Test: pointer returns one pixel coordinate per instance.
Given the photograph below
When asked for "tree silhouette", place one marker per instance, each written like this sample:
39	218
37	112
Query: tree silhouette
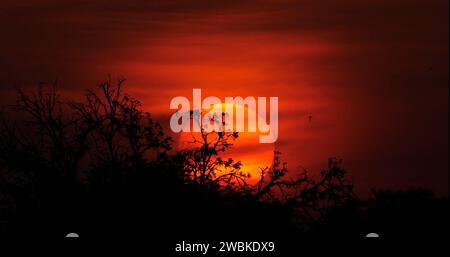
104	166
123	137
205	166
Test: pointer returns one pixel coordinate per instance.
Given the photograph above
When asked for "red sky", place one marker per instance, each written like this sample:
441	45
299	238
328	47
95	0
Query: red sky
373	74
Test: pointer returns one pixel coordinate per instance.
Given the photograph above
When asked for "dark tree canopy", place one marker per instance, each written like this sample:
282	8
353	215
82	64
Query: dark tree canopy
103	164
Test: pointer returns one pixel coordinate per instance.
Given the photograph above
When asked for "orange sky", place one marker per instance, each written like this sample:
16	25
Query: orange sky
373	74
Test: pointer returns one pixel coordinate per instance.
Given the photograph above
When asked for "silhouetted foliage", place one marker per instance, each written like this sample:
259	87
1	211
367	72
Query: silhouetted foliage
103	166
205	166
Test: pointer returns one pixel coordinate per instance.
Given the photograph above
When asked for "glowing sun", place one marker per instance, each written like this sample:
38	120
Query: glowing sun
246	148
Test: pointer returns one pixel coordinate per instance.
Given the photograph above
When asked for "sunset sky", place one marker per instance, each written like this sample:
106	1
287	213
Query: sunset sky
373	74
